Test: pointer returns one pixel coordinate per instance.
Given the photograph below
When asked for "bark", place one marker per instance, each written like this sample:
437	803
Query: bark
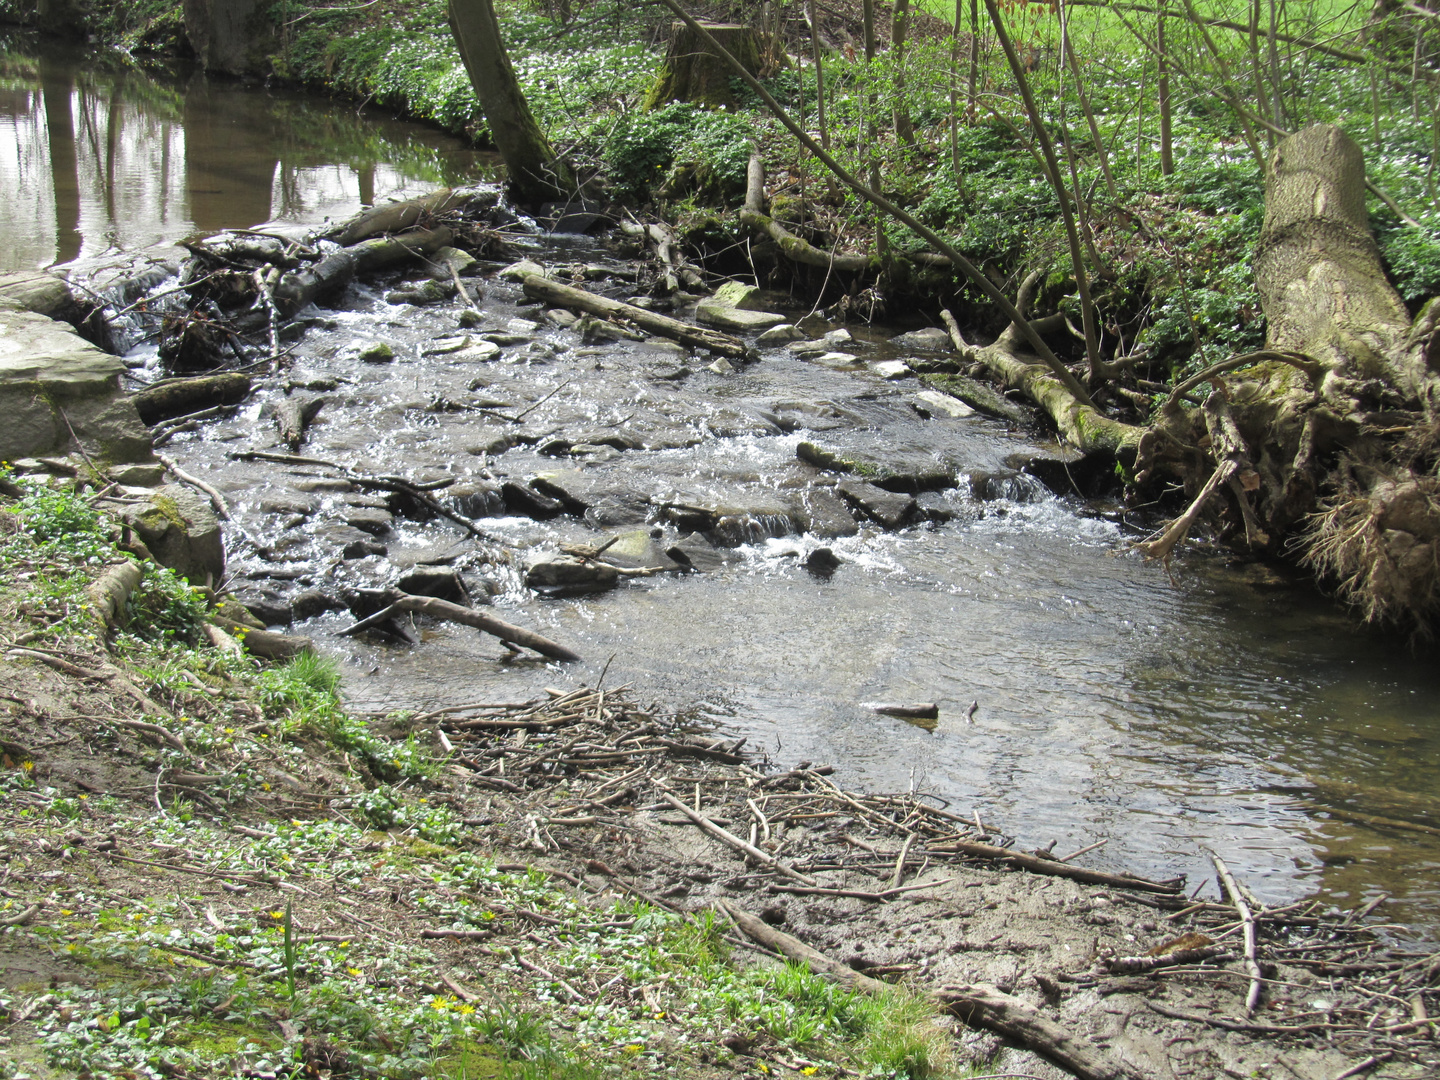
1328	442
694	71
537	174
566	296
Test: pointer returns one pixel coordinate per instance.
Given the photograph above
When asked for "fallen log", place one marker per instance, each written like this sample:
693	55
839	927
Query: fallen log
567	296
293	415
1056	868
396	217
179	397
979	1005
443	609
337	269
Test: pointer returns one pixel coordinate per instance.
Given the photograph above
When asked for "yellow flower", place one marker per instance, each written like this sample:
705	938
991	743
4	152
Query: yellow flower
344	944
229	731
466	1010
353	971
438	1004
66	911
809	1070
277	914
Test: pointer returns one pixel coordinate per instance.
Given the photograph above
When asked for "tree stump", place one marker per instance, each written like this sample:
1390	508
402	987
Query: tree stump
693	72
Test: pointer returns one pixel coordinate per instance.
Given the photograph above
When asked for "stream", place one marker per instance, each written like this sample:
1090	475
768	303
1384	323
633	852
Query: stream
1227	709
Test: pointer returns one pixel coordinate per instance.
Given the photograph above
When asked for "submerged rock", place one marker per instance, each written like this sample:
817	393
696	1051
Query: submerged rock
900	472
565	575
828	515
735	319
932	403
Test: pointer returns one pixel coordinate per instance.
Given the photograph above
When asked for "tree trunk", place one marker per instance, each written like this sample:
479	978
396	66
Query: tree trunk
899	29
1341	414
537	174
693	71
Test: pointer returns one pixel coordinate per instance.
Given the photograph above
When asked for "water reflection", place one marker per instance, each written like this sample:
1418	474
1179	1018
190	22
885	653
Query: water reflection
110	156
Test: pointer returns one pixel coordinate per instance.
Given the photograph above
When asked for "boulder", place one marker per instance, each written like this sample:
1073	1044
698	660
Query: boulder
519	271
181	530
978	396
44	294
931	339
52	381
636	549
780	335
890	369
737	295
696	554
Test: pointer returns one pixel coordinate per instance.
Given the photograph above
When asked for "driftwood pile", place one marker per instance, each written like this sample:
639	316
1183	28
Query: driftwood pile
592	758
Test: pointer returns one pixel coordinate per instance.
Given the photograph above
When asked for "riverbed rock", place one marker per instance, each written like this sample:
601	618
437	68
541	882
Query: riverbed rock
891	369
442	582
697	554
181	530
896	470
372	520
423	294
53	381
814	324
146	476
808	348
735	319
890	509
780	335
561	317
564	575
835	339
519	271
930	339
580	490
39	292
445	260
638	549
615	511
978	396
377	353
475	498
827	515
932	403
837	361
308	603
522	498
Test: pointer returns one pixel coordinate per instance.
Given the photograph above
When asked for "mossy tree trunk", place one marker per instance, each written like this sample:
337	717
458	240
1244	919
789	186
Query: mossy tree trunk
537	173
1335	439
695	72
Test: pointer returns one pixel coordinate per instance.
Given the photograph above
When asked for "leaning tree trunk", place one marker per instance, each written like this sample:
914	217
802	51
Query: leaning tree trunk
1331	435
537	173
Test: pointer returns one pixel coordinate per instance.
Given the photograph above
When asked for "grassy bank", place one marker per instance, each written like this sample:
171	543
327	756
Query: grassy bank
214	869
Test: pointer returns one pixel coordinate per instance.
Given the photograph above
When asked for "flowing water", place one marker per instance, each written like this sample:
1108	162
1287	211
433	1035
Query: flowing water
1224	710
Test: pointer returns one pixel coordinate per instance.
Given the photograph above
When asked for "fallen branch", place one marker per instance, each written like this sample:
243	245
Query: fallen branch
763	857
1257	977
443	609
567	296
1056	868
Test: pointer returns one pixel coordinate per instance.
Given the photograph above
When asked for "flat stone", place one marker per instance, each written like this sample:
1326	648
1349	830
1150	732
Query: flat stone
38	292
561	317
288	505
322	484
808	348
828	515
890	369
442	345
721	366
138	475
481	352
579	491
522	326
896	471
838	361
696	553
933	403
519	271
728	318
475	498
524	499
835	338
780	335
890	509
442	582
978	396
636	549
930	339
614	511
373	521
